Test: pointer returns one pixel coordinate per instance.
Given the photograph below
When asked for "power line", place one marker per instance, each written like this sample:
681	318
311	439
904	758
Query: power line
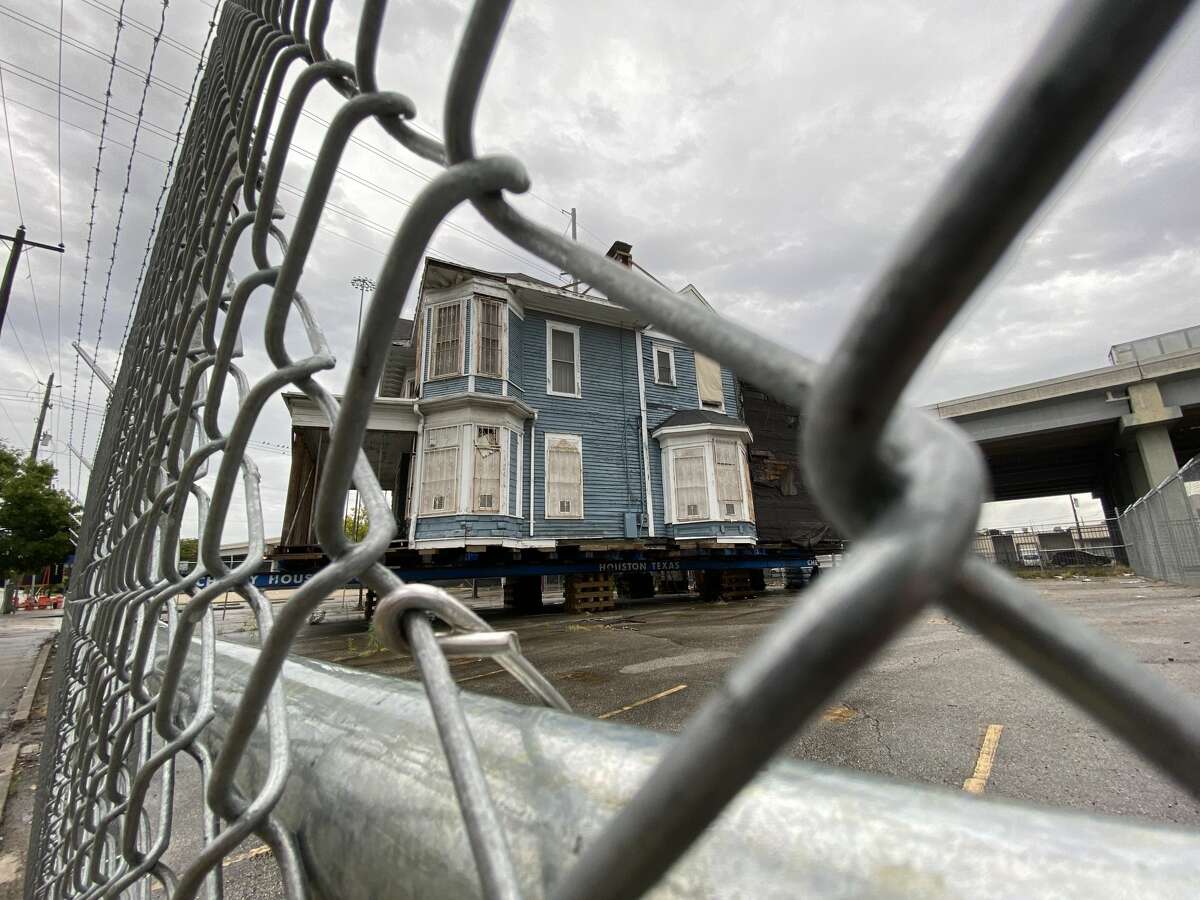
58	308
162	191
112	260
12	158
12	161
11	421
87	256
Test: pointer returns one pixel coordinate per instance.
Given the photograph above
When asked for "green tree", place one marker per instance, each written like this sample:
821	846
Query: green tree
355	525
188	549
35	520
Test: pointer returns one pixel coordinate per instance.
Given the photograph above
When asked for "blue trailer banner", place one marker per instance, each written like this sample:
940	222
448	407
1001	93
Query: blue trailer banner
273	580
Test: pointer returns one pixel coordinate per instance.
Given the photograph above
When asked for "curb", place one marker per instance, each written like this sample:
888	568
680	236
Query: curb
25	704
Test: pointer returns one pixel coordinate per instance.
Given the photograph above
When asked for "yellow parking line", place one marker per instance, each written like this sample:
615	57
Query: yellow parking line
983	765
668	692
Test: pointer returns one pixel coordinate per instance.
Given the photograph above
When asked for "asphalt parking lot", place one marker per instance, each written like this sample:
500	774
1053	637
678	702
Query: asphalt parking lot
922	712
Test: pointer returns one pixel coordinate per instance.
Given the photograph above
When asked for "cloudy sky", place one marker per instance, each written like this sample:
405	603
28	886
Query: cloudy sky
770	152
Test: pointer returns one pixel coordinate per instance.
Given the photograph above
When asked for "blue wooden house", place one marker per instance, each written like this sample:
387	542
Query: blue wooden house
548	415
516	413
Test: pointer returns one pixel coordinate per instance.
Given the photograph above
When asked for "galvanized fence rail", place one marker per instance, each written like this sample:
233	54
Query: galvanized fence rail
142	685
1163	529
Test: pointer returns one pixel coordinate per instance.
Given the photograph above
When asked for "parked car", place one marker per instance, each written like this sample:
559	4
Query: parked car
1078	558
801	576
1031	558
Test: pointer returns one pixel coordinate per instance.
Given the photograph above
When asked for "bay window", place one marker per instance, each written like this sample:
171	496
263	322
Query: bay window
439	474
728	465
446	340
490	346
487	469
691	484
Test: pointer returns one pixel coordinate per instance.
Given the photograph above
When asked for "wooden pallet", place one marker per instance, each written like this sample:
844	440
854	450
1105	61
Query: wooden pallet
590	592
727	585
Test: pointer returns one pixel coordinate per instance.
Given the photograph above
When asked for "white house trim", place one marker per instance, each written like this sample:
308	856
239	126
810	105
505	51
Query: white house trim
477	339
552	326
659	347
431	330
645	428
578	440
702	428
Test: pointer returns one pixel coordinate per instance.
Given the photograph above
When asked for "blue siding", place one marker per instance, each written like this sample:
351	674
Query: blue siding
443	386
486	385
607	419
662	400
468	308
516	354
712	529
729	389
512	473
469	526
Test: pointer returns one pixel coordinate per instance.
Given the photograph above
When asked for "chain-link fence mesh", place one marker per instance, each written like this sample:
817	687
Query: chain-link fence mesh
1163	529
143	687
1053	545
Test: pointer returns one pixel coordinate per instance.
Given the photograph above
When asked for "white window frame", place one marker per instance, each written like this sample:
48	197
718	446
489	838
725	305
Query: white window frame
671	444
431	320
501	499
477	337
655	349
452	506
552	327
705	448
547	438
737	471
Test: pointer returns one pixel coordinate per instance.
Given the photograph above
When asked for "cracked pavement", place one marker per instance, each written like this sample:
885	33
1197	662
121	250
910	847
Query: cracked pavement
917	713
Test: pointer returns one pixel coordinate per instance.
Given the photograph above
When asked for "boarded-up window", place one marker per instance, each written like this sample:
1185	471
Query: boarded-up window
691	484
729	479
746	475
708	381
447	340
439	480
664	365
563	360
488	457
491	334
564	476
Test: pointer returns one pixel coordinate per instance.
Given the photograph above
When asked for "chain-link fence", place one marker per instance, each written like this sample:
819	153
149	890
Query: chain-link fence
1053	545
363	787
1163	529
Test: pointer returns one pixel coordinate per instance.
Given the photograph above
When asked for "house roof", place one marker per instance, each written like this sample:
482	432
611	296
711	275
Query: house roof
404	330
701	417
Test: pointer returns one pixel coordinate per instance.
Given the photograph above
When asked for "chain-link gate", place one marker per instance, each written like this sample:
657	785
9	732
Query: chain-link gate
1163	529
142	686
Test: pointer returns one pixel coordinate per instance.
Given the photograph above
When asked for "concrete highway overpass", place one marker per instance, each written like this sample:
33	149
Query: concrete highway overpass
1114	432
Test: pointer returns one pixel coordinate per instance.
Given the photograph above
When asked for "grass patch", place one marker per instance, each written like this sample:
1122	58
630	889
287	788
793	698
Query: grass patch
1034	572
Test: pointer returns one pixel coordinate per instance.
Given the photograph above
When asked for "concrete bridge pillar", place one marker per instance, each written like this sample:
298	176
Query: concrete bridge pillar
1147	428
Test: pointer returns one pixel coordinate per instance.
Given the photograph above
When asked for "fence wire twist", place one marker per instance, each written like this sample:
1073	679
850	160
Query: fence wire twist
138	675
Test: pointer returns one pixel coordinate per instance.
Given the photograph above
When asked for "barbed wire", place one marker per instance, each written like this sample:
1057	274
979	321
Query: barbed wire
120	218
87	252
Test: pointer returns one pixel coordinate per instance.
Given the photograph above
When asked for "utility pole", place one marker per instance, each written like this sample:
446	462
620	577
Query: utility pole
574	237
93	365
14	256
37	434
1075	513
